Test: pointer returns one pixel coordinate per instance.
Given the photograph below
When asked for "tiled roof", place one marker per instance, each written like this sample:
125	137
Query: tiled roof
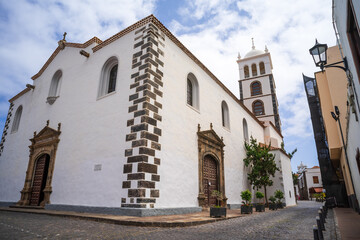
57	50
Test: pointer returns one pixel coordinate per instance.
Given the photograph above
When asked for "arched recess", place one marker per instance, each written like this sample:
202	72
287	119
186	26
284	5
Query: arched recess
54	87
192	91
17	118
256	88
245	130
262	68
225	115
258	108
253	70
108	77
211	150
43	144
246	71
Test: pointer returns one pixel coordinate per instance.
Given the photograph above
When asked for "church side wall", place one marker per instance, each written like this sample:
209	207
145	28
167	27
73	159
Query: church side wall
179	169
12	164
93	130
283	179
287	179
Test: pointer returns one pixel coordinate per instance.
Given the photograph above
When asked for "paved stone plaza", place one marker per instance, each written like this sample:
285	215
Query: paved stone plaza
290	223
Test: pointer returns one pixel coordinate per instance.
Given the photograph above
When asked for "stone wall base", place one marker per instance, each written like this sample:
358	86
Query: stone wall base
7	204
124	211
234	206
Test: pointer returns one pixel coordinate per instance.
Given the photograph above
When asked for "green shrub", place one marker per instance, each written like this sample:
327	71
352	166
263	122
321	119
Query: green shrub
279	195
272	199
246	196
218	195
259	195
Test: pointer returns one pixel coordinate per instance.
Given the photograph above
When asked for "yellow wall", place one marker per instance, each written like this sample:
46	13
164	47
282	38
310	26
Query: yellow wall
332	88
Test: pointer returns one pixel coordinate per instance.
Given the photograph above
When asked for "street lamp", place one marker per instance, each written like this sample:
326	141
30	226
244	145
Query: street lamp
319	54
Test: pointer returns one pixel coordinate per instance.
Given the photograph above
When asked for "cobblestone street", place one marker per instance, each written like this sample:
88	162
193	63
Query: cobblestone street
290	223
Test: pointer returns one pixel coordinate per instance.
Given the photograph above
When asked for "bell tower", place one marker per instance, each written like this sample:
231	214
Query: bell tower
257	85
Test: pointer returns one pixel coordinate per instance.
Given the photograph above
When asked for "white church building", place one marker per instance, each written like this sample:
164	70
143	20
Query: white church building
137	125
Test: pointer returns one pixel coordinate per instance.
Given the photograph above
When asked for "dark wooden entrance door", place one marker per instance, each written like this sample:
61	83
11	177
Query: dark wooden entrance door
39	180
210	173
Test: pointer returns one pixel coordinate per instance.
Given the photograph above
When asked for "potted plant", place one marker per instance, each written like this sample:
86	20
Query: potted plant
246	207
260	207
279	195
322	197
272	204
217	210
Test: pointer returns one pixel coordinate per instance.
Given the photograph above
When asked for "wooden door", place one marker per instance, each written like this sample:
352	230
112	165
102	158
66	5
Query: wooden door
210	173
39	180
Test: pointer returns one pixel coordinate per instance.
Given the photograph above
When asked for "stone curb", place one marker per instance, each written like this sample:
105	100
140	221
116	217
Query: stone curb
110	219
337	230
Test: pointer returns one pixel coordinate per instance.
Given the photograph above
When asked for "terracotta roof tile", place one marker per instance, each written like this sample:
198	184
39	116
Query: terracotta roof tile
57	50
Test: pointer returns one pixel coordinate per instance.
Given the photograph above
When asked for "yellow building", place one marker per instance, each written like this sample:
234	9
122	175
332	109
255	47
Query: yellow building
332	91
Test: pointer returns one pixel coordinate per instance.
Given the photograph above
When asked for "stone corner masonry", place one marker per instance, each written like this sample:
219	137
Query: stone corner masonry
144	133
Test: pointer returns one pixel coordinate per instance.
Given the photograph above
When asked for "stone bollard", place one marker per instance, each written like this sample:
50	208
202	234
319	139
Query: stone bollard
324	209
320	233
316	232
321	221
322	218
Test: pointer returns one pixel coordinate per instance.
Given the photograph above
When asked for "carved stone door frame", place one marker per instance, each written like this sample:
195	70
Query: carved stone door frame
209	143
45	142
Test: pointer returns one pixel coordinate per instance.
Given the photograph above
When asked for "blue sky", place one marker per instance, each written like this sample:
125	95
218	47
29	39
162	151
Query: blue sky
213	30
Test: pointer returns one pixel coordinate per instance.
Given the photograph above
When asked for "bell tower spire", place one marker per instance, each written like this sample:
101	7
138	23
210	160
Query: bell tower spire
257	85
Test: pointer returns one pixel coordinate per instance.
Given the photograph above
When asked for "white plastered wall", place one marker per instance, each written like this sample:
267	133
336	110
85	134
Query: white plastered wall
179	171
353	137
283	179
93	130
265	86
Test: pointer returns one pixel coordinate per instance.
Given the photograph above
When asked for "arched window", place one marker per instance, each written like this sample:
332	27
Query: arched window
262	68
255	88
192	91
54	87
189	93
246	71
253	70
258	108
17	117
245	130
108	77
225	115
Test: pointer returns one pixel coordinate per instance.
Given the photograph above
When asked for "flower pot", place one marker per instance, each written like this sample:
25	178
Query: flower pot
279	205
272	206
260	207
217	212
246	209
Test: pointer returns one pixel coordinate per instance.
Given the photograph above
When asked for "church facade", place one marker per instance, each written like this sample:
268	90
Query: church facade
134	125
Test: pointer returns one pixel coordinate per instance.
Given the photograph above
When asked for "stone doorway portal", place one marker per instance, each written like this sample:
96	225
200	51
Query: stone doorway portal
211	167
38	180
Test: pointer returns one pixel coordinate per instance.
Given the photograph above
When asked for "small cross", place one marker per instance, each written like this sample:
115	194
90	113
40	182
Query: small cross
64	35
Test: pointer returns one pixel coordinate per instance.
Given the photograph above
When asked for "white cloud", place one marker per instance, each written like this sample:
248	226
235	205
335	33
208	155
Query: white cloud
214	30
288	28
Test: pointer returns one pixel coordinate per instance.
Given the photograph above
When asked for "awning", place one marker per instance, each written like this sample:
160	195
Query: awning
316	190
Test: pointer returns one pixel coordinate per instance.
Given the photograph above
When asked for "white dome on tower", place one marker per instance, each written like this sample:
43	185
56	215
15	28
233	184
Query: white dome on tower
254	52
